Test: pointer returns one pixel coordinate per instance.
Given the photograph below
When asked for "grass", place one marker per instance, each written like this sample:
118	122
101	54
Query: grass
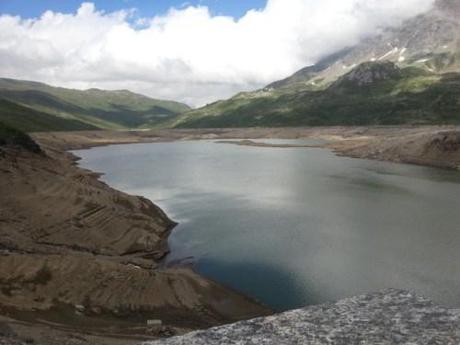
30	120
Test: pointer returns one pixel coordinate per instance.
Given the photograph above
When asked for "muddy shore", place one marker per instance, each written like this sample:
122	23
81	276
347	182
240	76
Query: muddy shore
79	260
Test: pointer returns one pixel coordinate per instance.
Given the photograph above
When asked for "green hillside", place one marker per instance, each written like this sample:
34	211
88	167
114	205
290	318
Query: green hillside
30	120
95	108
420	64
371	94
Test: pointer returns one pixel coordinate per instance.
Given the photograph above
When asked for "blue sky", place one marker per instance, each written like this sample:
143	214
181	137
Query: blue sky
147	8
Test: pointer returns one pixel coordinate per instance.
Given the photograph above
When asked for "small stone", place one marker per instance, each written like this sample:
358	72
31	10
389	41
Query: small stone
154	323
96	310
166	332
80	308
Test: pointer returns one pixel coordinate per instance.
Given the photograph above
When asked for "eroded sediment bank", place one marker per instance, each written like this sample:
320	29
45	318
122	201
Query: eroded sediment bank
78	257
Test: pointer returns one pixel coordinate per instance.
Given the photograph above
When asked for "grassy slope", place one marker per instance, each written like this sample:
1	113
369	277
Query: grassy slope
103	109
416	98
29	120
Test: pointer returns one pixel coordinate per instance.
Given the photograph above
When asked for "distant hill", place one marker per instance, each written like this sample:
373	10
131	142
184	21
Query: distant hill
421	59
56	108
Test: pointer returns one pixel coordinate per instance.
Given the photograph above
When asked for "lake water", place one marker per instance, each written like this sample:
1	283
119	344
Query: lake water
297	226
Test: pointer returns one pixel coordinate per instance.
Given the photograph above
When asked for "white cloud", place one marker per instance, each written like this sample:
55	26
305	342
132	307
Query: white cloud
188	54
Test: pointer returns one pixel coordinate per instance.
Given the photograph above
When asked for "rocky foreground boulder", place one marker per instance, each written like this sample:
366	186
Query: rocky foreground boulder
388	317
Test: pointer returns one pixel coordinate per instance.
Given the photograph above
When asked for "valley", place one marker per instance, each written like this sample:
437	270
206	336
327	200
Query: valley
127	218
70	240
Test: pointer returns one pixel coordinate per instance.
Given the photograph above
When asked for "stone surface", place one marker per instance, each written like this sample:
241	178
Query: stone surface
369	73
388	317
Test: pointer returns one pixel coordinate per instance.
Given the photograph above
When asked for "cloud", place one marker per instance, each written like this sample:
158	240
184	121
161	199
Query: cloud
188	54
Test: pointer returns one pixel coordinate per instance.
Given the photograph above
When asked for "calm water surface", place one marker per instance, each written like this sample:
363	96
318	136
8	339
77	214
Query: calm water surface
298	226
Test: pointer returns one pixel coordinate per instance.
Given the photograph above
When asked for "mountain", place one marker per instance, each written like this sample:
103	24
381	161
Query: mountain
34	106
430	41
374	93
421	58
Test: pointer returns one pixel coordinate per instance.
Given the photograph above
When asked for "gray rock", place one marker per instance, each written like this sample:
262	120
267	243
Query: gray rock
388	317
369	73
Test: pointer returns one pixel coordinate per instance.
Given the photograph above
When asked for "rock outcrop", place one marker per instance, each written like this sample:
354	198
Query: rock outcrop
449	7
369	73
389	317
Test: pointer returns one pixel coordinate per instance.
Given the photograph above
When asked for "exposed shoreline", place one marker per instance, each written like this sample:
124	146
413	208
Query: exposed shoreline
436	146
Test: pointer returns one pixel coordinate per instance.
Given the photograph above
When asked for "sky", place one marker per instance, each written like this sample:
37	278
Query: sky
150	8
194	51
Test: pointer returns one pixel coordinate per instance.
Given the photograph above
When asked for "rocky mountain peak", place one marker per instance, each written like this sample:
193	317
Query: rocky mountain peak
451	7
370	73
